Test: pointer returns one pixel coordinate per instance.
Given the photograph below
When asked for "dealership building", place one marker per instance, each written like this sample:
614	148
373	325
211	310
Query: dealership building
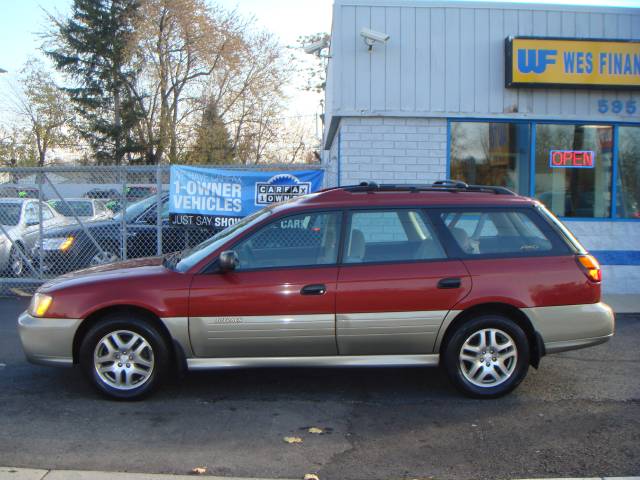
542	99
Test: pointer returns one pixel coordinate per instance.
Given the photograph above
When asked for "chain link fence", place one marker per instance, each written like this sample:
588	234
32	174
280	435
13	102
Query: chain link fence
55	220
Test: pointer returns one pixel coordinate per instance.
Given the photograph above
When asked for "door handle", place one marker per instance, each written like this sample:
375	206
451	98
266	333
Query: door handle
318	289
449	283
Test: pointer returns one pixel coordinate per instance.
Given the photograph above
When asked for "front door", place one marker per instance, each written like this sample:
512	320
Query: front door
280	301
396	284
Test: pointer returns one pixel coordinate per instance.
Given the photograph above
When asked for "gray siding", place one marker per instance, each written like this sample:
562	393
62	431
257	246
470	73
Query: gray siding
447	59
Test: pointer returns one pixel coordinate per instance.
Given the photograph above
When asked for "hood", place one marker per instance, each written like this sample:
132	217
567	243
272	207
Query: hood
141	267
71	226
10	229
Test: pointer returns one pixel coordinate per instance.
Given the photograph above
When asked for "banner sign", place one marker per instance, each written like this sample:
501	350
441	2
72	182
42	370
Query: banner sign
217	198
572	159
572	63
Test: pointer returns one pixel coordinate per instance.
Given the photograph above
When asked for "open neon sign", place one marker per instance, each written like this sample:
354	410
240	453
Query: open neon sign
572	159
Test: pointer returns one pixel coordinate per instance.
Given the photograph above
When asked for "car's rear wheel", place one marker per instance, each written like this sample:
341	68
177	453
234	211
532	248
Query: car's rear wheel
124	358
487	357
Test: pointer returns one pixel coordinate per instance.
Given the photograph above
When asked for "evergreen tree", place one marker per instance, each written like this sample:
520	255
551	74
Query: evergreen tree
93	47
213	145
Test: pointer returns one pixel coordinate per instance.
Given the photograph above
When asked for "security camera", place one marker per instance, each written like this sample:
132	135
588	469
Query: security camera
371	37
316	48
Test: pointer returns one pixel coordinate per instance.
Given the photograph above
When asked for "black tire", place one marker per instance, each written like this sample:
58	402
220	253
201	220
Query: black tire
14	256
160	355
464	380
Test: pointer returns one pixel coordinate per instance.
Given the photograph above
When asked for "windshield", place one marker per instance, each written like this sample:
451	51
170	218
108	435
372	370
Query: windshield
10	213
134	210
81	208
186	259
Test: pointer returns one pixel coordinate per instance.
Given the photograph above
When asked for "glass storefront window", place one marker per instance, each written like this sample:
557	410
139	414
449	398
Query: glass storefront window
628	186
573	169
495	153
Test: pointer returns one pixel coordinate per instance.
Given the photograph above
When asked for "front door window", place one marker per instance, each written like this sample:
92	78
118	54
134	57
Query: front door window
308	239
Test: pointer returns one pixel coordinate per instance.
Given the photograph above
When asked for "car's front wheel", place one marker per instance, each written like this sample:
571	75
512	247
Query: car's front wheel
16	261
487	357
103	258
124	358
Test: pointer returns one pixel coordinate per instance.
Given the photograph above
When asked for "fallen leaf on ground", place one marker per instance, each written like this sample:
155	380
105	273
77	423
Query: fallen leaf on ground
292	439
199	470
316	430
311	476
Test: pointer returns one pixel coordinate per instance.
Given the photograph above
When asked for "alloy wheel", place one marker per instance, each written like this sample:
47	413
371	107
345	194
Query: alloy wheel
103	258
17	263
124	360
488	357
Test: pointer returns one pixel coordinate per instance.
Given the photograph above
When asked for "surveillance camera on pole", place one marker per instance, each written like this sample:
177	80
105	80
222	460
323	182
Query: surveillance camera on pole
371	37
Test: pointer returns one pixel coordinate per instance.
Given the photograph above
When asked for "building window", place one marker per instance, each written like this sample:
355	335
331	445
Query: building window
495	153
628	186
573	169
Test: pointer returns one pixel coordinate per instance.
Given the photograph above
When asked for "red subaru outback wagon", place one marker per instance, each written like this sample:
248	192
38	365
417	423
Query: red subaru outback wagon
476	279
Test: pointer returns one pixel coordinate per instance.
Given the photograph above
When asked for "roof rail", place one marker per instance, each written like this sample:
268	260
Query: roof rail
439	186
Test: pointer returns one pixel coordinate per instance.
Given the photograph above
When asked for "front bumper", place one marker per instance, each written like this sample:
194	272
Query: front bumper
570	327
48	341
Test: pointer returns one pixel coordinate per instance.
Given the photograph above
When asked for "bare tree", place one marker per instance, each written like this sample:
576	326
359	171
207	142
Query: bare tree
44	109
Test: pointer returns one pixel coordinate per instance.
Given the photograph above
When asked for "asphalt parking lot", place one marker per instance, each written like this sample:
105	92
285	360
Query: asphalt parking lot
578	416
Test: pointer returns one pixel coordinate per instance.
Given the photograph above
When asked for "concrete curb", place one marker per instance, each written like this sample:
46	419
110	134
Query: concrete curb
10	473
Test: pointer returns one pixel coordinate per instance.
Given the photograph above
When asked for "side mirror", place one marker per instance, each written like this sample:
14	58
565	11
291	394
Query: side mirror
228	261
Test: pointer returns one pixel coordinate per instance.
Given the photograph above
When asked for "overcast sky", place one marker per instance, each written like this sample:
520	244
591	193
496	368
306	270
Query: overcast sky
21	20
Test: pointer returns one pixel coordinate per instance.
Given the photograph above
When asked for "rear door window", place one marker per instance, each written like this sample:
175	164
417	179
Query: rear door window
390	236
498	232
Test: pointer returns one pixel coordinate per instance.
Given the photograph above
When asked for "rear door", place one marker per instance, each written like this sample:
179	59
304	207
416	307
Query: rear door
396	283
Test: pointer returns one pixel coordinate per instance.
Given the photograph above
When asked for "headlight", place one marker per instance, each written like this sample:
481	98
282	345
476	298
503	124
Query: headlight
63	243
40	303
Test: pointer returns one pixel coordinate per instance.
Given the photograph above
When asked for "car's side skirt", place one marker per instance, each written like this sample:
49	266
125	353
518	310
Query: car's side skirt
320	361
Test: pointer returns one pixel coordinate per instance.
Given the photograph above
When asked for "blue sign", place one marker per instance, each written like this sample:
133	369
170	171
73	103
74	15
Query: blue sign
218	198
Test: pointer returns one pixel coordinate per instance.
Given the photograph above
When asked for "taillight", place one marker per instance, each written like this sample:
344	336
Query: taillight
590	267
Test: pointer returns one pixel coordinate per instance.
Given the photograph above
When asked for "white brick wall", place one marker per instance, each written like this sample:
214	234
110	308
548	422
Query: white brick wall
388	150
611	236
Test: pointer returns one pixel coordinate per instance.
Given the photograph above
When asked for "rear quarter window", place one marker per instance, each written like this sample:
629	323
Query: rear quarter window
501	232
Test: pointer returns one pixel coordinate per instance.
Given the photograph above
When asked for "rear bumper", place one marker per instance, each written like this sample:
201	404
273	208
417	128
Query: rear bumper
48	341
570	327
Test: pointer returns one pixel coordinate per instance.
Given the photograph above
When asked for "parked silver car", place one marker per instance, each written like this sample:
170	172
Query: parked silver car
82	208
20	219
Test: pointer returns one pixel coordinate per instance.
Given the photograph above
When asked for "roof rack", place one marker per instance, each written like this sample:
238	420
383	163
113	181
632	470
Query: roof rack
439	186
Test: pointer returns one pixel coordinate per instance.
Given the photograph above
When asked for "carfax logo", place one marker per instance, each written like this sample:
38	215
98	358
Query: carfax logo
280	188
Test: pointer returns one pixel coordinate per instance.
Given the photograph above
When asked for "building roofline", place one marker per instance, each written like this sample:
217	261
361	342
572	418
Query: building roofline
490	4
